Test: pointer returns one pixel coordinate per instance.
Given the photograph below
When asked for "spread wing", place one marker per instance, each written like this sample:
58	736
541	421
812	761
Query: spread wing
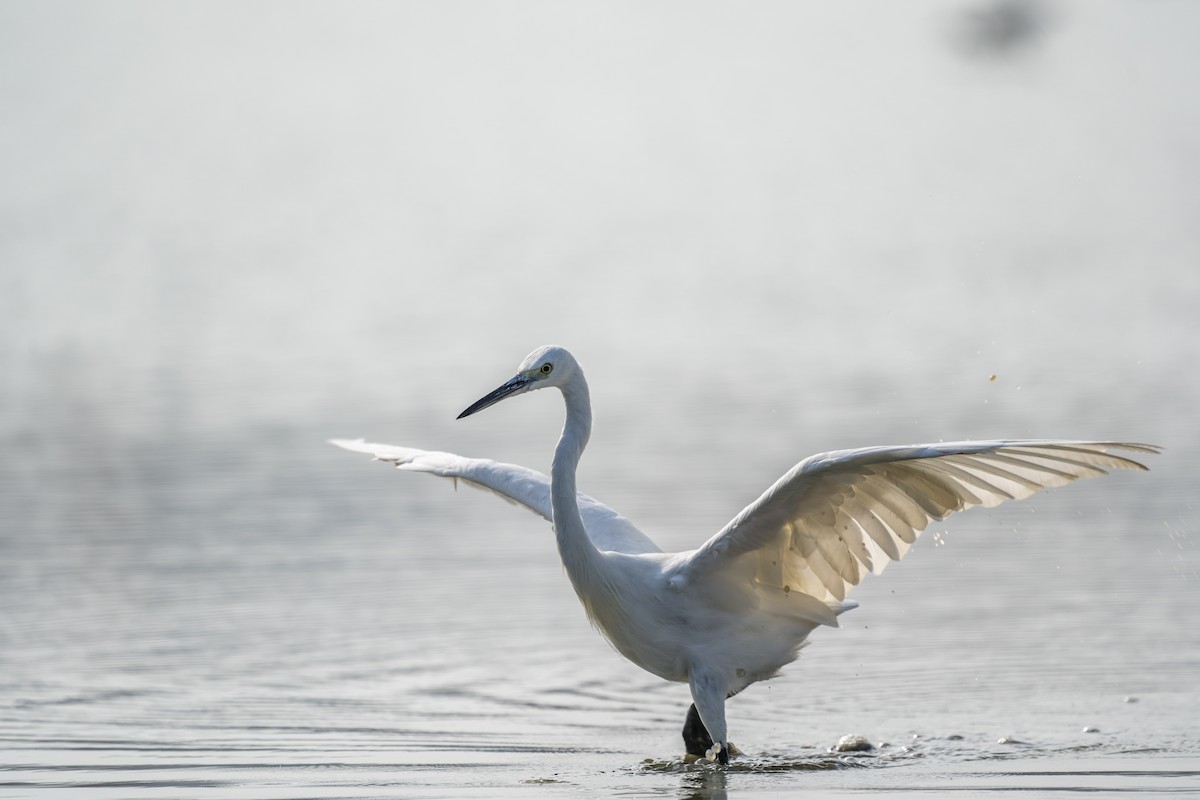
607	529
836	516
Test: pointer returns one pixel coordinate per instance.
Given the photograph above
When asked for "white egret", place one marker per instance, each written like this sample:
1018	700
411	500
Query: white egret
739	607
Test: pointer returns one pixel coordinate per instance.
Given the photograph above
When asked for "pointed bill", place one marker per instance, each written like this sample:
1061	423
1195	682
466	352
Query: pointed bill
515	386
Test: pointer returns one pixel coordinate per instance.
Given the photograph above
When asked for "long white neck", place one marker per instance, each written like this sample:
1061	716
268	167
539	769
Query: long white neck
579	555
591	571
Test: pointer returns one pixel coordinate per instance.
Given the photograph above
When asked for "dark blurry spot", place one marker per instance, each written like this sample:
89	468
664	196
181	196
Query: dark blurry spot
1000	28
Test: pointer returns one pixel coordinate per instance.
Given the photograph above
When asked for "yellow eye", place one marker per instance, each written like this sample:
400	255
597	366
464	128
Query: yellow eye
547	368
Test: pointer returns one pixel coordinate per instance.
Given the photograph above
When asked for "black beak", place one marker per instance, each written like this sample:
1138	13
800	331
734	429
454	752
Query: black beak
514	386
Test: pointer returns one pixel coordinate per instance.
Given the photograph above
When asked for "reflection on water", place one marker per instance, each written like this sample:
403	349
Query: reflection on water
344	226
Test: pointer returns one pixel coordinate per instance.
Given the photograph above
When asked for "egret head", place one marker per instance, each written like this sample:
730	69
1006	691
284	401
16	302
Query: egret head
547	366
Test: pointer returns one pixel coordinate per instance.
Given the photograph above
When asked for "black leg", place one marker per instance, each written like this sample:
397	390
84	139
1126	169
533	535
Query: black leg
695	736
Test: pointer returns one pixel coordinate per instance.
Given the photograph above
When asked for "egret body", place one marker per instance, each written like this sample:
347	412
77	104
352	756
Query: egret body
739	607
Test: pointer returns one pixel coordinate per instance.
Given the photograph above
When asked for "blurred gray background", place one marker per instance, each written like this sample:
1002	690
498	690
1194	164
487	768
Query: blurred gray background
229	231
219	216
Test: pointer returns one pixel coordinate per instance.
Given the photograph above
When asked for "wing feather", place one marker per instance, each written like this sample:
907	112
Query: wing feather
529	488
834	514
983	493
993	466
901	515
934	497
850	534
878	534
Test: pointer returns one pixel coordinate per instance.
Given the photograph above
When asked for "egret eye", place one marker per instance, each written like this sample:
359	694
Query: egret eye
547	368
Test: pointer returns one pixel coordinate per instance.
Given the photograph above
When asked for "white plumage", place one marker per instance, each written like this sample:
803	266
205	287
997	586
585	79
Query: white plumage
739	607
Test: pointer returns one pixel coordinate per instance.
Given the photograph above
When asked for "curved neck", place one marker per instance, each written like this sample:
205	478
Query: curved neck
588	568
579	555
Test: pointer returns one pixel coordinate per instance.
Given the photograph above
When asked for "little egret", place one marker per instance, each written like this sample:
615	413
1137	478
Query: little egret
738	608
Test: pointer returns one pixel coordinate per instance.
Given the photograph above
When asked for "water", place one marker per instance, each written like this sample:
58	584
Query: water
228	238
